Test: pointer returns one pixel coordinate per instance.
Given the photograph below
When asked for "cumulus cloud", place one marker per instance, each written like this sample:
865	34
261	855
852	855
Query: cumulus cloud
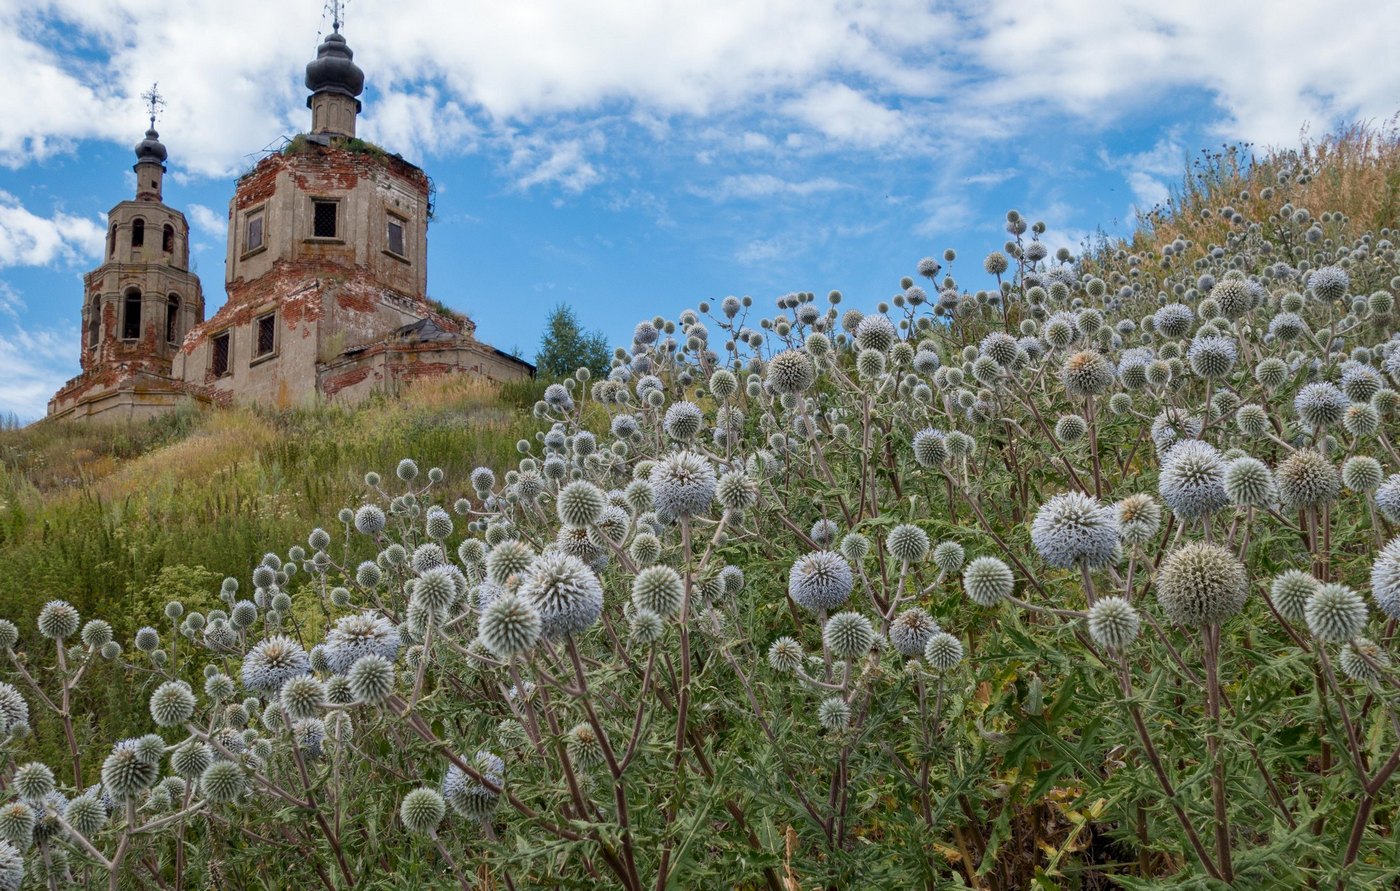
29	239
766	185
33	364
206	221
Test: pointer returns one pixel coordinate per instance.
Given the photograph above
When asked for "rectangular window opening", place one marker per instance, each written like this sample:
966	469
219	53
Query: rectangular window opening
323	219
220	357
266	340
254	236
131	318
396	237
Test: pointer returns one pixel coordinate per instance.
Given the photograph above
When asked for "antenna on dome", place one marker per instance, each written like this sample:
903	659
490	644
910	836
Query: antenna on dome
154	102
336	8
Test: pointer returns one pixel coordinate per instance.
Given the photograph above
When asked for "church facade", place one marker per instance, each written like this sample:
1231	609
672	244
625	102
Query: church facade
325	270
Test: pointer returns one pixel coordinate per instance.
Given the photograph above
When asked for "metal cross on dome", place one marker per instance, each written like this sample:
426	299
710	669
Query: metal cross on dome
154	102
336	8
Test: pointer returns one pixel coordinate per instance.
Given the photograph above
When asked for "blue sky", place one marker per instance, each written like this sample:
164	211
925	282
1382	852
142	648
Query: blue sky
633	158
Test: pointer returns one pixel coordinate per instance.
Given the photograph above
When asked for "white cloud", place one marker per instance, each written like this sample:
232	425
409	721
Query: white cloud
847	115
1150	174
27	239
33	364
539	161
207	221
766	185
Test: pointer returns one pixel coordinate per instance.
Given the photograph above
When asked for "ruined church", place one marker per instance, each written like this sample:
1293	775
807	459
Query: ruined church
325	269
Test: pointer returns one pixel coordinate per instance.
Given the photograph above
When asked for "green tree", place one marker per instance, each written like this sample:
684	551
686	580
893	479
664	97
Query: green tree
565	346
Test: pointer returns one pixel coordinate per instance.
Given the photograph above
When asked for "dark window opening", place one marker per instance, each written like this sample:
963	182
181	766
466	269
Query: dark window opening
94	322
266	336
167	240
254	238
172	318
396	237
323	218
138	233
220	359
112	242
131	318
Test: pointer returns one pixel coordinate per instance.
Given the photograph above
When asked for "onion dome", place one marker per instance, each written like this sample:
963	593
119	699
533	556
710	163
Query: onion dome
334	70
151	149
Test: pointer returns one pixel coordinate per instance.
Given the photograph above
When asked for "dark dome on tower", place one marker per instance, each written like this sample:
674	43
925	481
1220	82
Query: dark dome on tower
334	69
151	148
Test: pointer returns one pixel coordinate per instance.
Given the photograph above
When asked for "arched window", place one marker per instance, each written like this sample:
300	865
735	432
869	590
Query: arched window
172	318
94	326
167	239
131	316
138	232
112	241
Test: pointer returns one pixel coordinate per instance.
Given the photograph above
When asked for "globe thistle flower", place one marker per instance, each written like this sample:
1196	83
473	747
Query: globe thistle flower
1363	660
1361	419
1086	373
426	556
1362	473
1252	420
1073	527
96	633
1173	320
190	758
584	747
1000	348
682	421
645	549
422	810
126	773
943	651
1320	405
17	824
876	332
510	626
658	589
1335	613
1271	373
1288	326
509	558
370	519
11	867
791	371
948	557
930	448
303	697
9	635
58	620
684	484
834	714
823	532
1139	518
736	491
911	631
222	782
360	635
1212	357
273	662
470	798
1306	479
1070	428
785	655
33	781
565	592
172	704
848	635
1113	623
907	542
987	581
243	615
1385	582
1329	283
436	590
87	814
1171	427
371	679
580	504
1234	296
1387	498
1192	481
646	627
1248	483
820	581
14	711
1201	584
854	547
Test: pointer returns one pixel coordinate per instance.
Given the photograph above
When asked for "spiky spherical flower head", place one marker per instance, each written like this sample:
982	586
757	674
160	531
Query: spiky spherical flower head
1271	373
785	655
834	714
1387	498
510	557
436	589
11	867
820	581
359	635
1363	660
1201	584
580	504
243	614
510	626
1249	483
645	627
87	814
1329	283
1252	420
930	448
9	635
1234	296
1139	518
565	592
172	704
1070	428
684	484
791	371
1290	591
645	549
943	651
437	523
907	542
96	633
189	759
1212	357
1114	623
911	630
1192	481
371	679
1086	373
17	824
823	532
470	798
988	581
422	811
1000	347
1361	419
273	662
1320	405
1173	320
948	556
658	589
683	420
1385	582
854	547
876	332
1074	527
584	747
1307	479
736	491
303	697
126	773
848	635
58	620
370	519
33	781
1335	613
222	782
